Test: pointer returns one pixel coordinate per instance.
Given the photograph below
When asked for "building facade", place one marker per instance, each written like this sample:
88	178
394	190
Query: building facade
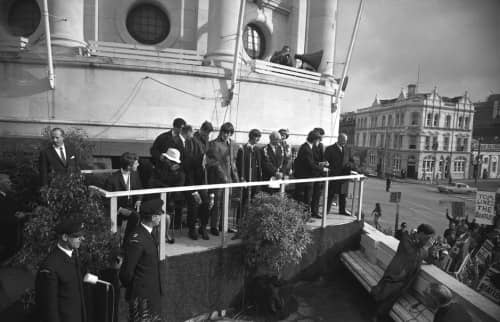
423	136
124	69
486	134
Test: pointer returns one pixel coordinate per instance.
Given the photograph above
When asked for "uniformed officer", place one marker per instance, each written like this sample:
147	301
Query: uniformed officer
140	272
58	285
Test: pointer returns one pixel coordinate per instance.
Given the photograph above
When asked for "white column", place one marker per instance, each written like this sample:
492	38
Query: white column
321	32
222	27
66	23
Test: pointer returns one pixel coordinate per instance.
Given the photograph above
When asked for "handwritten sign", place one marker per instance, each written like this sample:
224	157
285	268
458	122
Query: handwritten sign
487	288
485	207
458	209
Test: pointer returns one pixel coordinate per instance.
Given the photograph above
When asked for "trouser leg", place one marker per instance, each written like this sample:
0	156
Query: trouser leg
331	195
216	210
316	195
192	210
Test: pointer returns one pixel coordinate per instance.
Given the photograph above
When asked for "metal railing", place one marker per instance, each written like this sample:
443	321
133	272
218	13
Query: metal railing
357	199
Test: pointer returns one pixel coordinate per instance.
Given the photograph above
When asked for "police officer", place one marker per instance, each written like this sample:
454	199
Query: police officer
140	272
58	285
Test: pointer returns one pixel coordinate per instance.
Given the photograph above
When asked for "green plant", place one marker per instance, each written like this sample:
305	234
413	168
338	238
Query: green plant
67	196
274	233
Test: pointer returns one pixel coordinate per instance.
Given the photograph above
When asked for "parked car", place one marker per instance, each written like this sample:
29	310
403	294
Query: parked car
456	187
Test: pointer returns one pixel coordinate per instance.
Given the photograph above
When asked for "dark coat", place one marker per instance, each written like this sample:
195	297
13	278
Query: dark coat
304	165
115	182
454	312
160	145
220	162
192	163
140	271
247	158
11	227
273	162
59	289
336	159
202	140
50	163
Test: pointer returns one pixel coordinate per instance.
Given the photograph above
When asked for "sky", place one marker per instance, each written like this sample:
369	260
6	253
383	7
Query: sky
456	43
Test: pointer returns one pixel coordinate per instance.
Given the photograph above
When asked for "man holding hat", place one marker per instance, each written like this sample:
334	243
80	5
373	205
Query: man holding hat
140	271
59	282
403	268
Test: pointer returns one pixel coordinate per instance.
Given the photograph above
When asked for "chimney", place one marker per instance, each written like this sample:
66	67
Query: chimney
412	90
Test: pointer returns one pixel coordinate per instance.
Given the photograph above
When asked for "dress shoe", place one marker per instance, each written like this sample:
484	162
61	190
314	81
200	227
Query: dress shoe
193	234
214	231
170	240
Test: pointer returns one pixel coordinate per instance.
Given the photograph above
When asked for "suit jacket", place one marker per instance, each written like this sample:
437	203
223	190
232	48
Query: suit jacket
115	182
305	166
192	163
50	163
273	162
160	145
335	158
247	158
59	289
220	162
140	271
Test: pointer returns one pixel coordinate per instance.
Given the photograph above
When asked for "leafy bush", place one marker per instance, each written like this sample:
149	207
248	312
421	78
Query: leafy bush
274	233
67	197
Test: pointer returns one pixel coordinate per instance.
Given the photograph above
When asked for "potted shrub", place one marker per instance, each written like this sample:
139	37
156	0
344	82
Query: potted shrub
274	235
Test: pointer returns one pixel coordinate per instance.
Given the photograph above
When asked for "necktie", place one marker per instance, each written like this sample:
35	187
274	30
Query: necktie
63	156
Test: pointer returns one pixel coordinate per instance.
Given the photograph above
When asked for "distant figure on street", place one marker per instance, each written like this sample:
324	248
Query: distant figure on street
140	271
59	280
440	297
377	213
282	57
57	158
403	269
388	182
399	233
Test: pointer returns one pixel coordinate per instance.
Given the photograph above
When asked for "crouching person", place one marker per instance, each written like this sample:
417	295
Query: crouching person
140	271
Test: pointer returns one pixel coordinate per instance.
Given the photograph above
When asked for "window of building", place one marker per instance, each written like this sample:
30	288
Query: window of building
372	158
254	41
357	139
397	119
460	122
383	121
447	123
436	120
364	139
415	118
496	109
402	119
465	145
400	144
23	18
373	140
395	142
396	163
389	120
148	23
428	122
458	145
428	164
427	145
412	142
375	121
467	123
388	143
494	166
446	143
459	164
382	140
435	144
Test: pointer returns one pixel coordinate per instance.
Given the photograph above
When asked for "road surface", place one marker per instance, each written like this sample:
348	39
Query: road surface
420	203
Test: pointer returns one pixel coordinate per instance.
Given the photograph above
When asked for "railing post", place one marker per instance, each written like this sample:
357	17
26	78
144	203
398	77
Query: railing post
282	189
163	227
360	198
225	216
325	205
354	184
113	208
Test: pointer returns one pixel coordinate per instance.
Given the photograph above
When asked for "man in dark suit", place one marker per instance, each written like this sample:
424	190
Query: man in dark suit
11	221
163	141
202	136
306	167
318	155
59	282
221	168
57	158
273	158
335	156
140	271
126	179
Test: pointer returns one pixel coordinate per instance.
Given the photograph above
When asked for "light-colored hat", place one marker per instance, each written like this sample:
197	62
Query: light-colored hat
173	155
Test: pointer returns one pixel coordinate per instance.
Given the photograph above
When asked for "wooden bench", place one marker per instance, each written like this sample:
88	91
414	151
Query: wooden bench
268	68
143	52
407	308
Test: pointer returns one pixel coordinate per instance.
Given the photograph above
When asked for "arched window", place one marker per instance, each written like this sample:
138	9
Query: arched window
254	41
389	120
467	123
415	118
436	120
383	121
459	165
148	24
429	119
396	163
448	121
428	164
23	18
460	122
